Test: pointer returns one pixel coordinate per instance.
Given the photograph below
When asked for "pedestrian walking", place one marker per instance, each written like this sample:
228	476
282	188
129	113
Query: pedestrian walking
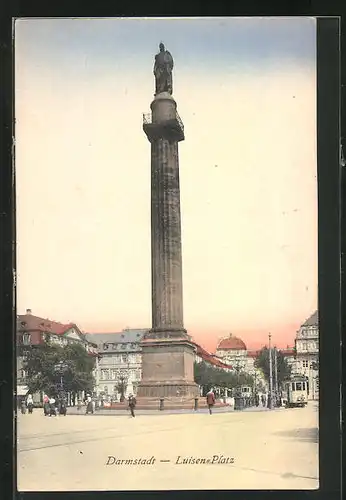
45	405
23	407
62	407
257	400
89	405
30	403
210	397
132	404
52	407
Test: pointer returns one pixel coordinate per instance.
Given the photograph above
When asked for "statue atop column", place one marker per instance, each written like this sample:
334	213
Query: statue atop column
163	71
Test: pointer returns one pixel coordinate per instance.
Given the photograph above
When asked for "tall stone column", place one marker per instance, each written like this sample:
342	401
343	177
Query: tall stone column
167	351
166	258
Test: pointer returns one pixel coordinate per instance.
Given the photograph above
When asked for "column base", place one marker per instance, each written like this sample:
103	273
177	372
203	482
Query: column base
175	389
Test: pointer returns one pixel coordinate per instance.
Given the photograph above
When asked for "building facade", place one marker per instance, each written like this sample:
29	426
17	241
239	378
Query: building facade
307	353
120	362
33	331
289	355
233	351
202	354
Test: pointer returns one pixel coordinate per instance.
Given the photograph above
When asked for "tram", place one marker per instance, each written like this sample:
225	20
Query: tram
246	391
296	392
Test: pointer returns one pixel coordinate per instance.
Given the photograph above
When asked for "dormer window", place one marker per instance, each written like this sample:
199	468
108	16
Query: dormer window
26	339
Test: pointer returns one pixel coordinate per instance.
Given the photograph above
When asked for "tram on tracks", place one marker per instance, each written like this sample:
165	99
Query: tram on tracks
296	392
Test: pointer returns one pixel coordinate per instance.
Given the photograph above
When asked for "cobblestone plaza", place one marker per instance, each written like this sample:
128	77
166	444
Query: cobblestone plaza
269	449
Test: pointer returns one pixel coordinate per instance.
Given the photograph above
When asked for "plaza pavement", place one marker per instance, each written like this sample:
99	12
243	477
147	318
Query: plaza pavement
275	449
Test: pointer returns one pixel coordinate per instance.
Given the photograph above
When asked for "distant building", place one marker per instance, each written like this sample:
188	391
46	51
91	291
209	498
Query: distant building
289	355
203	355
121	359
307	353
33	331
233	351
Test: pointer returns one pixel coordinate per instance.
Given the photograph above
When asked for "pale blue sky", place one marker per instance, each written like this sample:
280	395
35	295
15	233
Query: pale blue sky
216	42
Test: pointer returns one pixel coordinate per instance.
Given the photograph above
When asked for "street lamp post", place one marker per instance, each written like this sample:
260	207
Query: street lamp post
61	368
276	386
255	389
270	396
238	401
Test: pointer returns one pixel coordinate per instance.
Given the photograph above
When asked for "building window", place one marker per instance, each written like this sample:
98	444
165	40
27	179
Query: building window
26	338
305	363
104	374
105	389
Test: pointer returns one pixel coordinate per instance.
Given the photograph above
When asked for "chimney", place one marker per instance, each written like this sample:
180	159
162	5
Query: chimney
28	311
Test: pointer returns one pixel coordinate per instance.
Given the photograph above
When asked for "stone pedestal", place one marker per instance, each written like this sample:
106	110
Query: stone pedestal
167	369
167	353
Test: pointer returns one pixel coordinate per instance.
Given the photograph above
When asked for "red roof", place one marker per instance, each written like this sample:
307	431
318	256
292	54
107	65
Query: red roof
232	343
211	358
28	322
287	352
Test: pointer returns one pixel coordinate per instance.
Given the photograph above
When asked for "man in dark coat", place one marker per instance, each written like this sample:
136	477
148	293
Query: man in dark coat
132	404
210	400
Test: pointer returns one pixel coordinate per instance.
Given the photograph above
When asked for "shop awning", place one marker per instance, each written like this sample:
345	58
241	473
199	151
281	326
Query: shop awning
22	390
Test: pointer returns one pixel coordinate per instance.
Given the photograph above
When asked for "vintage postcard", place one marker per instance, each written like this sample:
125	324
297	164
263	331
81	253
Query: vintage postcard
167	274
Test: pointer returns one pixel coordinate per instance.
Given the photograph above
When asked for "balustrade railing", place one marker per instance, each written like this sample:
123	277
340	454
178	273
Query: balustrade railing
148	120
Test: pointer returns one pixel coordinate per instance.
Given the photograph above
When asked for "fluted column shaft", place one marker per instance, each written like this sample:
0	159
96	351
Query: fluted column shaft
166	259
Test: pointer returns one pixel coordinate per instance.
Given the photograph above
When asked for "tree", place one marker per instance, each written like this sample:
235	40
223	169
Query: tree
209	376
283	369
40	365
315	365
121	385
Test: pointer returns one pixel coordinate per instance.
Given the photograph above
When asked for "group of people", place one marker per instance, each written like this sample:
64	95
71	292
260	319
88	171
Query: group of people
27	404
257	399
53	407
91	405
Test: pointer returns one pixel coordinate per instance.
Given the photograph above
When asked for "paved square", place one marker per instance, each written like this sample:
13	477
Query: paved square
275	449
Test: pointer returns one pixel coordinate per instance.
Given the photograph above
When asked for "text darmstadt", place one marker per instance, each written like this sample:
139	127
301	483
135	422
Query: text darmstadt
130	461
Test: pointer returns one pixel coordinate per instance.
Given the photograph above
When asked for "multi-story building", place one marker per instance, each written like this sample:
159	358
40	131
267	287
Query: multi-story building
233	351
289	355
307	353
202	354
120	362
33	331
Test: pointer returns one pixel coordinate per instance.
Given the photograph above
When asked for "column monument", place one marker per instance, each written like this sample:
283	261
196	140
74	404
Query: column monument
167	350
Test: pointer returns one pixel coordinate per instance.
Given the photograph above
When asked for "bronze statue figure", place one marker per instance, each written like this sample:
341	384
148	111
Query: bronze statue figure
163	71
